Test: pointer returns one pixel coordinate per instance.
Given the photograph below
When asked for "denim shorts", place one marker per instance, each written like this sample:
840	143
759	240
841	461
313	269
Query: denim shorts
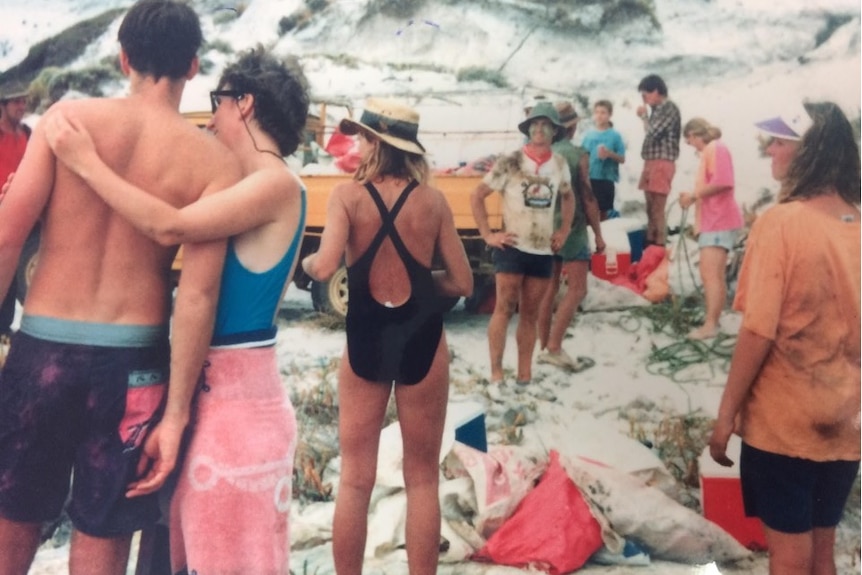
725	239
514	261
794	495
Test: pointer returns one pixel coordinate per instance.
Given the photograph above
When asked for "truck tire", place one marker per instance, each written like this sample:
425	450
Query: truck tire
331	296
26	266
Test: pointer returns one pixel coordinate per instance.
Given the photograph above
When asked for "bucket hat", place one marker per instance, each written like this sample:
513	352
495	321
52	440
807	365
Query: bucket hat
543	110
392	122
13	90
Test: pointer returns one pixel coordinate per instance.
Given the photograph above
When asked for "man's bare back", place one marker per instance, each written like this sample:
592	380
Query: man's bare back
93	265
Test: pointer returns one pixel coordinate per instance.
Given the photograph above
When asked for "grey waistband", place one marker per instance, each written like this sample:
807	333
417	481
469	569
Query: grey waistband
91	333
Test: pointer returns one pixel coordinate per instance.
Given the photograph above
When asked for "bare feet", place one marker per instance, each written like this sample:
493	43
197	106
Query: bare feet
703	332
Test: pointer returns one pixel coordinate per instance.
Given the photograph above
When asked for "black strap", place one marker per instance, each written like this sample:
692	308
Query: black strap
388	219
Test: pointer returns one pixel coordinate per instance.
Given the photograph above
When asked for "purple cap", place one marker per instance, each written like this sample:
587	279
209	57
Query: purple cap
789	126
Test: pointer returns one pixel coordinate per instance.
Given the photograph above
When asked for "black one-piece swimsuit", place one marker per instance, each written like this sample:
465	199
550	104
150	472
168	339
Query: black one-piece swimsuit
392	344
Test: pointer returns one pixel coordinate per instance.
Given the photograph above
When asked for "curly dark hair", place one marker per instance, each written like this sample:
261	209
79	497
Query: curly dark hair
827	159
161	37
280	92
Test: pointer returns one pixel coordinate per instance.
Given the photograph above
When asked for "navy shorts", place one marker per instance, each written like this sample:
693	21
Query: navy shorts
83	410
604	190
514	261
794	495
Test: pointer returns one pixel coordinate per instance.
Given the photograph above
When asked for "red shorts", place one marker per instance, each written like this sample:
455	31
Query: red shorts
657	176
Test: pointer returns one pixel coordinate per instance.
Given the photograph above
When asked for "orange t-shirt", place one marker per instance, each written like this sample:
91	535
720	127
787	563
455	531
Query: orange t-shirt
800	287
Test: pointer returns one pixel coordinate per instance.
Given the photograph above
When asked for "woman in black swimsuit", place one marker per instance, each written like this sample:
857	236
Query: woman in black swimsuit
387	224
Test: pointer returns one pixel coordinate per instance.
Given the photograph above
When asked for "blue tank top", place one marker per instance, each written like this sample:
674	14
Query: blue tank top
248	300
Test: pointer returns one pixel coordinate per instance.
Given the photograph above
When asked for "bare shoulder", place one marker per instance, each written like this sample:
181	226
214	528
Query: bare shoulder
435	197
347	193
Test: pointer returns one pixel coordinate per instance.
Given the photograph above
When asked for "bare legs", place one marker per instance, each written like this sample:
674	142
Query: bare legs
713	261
809	553
18	544
524	294
551	333
97	555
656	225
422	414
88	555
508	288
532	291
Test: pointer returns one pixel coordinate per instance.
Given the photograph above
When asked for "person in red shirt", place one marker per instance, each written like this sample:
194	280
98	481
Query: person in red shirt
13	141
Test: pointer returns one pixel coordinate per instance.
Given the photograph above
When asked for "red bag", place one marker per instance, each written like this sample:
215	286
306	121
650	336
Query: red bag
551	529
339	144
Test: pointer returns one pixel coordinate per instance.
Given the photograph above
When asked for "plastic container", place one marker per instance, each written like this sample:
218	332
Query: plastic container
468	419
721	498
637	239
610	264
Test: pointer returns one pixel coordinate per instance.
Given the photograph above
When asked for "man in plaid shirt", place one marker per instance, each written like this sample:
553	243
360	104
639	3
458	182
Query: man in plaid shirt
660	150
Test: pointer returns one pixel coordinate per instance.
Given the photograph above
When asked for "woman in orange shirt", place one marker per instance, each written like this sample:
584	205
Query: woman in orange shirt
793	391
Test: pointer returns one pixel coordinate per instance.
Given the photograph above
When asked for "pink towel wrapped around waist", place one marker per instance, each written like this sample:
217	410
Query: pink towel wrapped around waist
229	513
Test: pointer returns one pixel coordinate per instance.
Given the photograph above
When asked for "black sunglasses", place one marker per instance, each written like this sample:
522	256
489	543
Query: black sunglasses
216	96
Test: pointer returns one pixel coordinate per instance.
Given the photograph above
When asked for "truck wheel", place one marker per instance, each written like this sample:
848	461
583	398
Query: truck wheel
26	266
331	296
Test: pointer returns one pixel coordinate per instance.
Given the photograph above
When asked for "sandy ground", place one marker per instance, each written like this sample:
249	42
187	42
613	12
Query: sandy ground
620	344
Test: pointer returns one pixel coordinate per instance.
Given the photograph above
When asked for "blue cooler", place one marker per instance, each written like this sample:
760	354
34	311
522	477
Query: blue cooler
637	239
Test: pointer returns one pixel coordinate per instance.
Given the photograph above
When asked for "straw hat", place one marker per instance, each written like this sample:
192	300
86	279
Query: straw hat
392	122
543	110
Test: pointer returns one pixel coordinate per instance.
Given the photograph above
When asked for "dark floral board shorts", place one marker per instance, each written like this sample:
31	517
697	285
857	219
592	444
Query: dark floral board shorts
79	409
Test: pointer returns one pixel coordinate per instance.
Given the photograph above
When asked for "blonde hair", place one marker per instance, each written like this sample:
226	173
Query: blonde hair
386	160
702	129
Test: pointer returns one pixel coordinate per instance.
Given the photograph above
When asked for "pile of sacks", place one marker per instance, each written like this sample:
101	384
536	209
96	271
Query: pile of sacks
596	495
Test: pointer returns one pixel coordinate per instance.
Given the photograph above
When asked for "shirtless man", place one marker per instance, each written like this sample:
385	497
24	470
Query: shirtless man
88	369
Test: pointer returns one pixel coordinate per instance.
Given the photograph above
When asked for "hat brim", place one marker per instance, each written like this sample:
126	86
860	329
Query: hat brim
569	121
352	127
14	95
524	127
777	128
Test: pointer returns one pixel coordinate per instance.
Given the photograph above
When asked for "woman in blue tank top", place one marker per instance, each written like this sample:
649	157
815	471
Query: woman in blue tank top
388	224
234	487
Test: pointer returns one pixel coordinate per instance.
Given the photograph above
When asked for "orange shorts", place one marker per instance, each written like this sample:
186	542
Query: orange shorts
657	176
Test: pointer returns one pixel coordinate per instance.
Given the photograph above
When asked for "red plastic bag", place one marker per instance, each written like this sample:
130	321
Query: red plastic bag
552	529
339	144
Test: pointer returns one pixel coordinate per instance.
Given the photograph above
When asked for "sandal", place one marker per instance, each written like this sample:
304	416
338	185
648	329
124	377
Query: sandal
581	363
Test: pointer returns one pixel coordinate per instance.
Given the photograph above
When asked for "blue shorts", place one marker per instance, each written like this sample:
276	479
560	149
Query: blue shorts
725	239
79	409
794	495
514	261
